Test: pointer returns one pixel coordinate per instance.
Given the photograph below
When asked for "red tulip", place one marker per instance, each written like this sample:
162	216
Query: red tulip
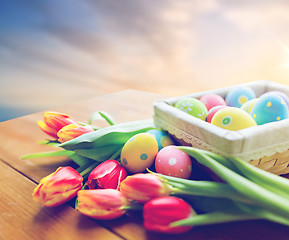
108	174
143	187
160	212
101	203
53	122
58	187
72	131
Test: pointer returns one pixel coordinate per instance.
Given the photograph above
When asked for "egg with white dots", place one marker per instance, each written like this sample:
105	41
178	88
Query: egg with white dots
193	107
172	161
238	96
162	138
269	108
139	153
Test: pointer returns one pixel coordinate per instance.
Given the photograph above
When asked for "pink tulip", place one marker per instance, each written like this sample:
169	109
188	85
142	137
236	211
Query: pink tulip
101	203
143	187
108	174
160	212
72	131
58	187
53	122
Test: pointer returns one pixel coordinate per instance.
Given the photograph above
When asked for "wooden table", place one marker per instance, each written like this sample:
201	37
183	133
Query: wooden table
22	219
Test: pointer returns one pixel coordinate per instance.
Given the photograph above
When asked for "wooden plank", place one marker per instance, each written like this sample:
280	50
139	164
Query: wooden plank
22	219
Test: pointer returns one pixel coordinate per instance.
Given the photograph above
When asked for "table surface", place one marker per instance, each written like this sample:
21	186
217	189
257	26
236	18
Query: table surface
21	218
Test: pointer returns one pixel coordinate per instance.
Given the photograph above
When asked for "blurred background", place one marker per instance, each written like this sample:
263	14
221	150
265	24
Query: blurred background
53	53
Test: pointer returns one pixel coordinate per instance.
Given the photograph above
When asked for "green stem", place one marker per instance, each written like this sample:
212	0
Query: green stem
266	179
263	213
254	192
203	188
133	207
116	154
48	154
89	169
88	125
218	192
213	218
221	159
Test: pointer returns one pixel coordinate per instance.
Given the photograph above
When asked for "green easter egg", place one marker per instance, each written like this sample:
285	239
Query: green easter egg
193	107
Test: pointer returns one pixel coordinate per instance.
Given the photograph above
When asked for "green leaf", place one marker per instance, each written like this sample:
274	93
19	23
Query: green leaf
48	154
99	154
107	118
101	115
81	160
53	143
116	134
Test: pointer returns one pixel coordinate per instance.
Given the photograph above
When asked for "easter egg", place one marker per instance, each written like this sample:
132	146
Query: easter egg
213	111
162	138
193	107
269	108
247	107
172	161
232	118
237	96
139	152
281	94
211	100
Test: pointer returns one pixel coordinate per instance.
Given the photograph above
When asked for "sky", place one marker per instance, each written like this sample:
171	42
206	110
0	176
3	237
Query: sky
54	53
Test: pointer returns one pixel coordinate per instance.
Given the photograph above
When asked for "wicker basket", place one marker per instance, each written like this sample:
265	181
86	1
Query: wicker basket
265	146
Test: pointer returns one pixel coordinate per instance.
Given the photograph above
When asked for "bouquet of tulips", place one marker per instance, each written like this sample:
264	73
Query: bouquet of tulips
101	188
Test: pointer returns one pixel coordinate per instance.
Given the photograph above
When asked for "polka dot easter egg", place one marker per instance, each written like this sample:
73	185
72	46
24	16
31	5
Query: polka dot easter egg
211	100
139	152
193	107
281	94
237	96
162	138
269	108
232	118
171	161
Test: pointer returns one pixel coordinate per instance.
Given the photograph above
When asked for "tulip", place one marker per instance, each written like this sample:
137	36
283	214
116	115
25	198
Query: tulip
160	212
143	187
53	122
72	131
58	187
108	174
101	203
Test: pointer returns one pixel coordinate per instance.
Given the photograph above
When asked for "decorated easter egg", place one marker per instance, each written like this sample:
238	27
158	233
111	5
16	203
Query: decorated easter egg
281	94
247	107
162	138
172	161
269	108
211	100
232	118
237	96
193	107
139	152
212	112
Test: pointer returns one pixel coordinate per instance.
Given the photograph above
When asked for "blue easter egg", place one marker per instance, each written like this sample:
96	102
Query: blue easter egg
162	138
281	94
238	96
269	108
